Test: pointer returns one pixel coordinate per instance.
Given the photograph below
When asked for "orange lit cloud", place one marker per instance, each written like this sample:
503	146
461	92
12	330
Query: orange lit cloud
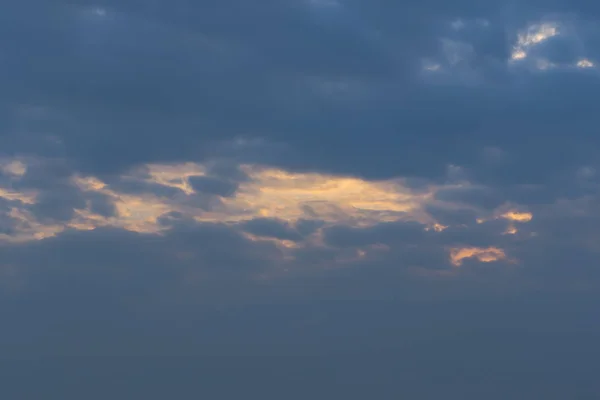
28	228
517	216
28	197
489	254
513	217
289	196
267	193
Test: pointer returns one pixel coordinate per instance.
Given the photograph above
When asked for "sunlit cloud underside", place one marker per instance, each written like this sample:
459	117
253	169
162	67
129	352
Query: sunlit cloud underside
276	194
457	55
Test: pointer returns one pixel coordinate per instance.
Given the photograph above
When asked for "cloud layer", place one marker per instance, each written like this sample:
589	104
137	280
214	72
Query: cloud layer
305	179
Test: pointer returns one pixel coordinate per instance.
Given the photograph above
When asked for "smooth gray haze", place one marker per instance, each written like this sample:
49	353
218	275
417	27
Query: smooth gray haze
300	199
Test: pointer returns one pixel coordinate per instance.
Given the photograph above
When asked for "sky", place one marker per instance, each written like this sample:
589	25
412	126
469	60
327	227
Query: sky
291	199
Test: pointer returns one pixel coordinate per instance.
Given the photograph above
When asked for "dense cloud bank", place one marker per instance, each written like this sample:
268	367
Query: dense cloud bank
399	193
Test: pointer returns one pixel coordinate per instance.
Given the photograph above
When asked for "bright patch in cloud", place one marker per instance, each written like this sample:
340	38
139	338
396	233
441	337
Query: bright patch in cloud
276	193
267	193
28	197
431	66
15	168
512	216
517	216
585	63
159	193
532	36
490	254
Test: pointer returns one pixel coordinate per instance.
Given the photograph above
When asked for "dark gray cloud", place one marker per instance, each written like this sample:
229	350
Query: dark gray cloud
160	292
341	236
7	223
117	301
308	226
271	228
213	186
174	79
102	205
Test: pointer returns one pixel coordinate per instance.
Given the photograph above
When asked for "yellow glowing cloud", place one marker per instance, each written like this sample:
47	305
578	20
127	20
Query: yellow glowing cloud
517	216
271	193
488	254
137	213
533	35
175	175
268	192
513	216
288	196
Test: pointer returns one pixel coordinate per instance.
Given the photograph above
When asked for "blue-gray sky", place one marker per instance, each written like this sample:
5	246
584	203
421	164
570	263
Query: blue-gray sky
327	199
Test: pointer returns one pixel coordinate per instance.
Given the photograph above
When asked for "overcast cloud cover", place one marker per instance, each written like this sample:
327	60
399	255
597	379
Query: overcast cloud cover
291	199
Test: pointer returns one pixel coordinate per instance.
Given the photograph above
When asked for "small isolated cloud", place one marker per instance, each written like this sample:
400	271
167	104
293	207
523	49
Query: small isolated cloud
13	168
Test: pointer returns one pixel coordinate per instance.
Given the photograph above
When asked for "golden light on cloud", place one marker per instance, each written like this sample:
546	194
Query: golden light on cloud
292	196
266	193
517	216
88	183
27	228
533	35
28	197
529	38
512	216
518	54
486	255
138	213
175	176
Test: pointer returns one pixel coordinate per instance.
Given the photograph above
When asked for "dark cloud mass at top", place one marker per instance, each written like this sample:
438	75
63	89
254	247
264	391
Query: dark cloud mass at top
315	76
215	198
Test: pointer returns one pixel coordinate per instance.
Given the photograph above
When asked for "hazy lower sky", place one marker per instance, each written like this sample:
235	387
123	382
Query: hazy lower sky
300	199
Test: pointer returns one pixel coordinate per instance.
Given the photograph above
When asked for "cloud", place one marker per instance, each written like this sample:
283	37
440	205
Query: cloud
212	186
484	255
271	228
316	135
335	178
294	209
305	219
295	88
